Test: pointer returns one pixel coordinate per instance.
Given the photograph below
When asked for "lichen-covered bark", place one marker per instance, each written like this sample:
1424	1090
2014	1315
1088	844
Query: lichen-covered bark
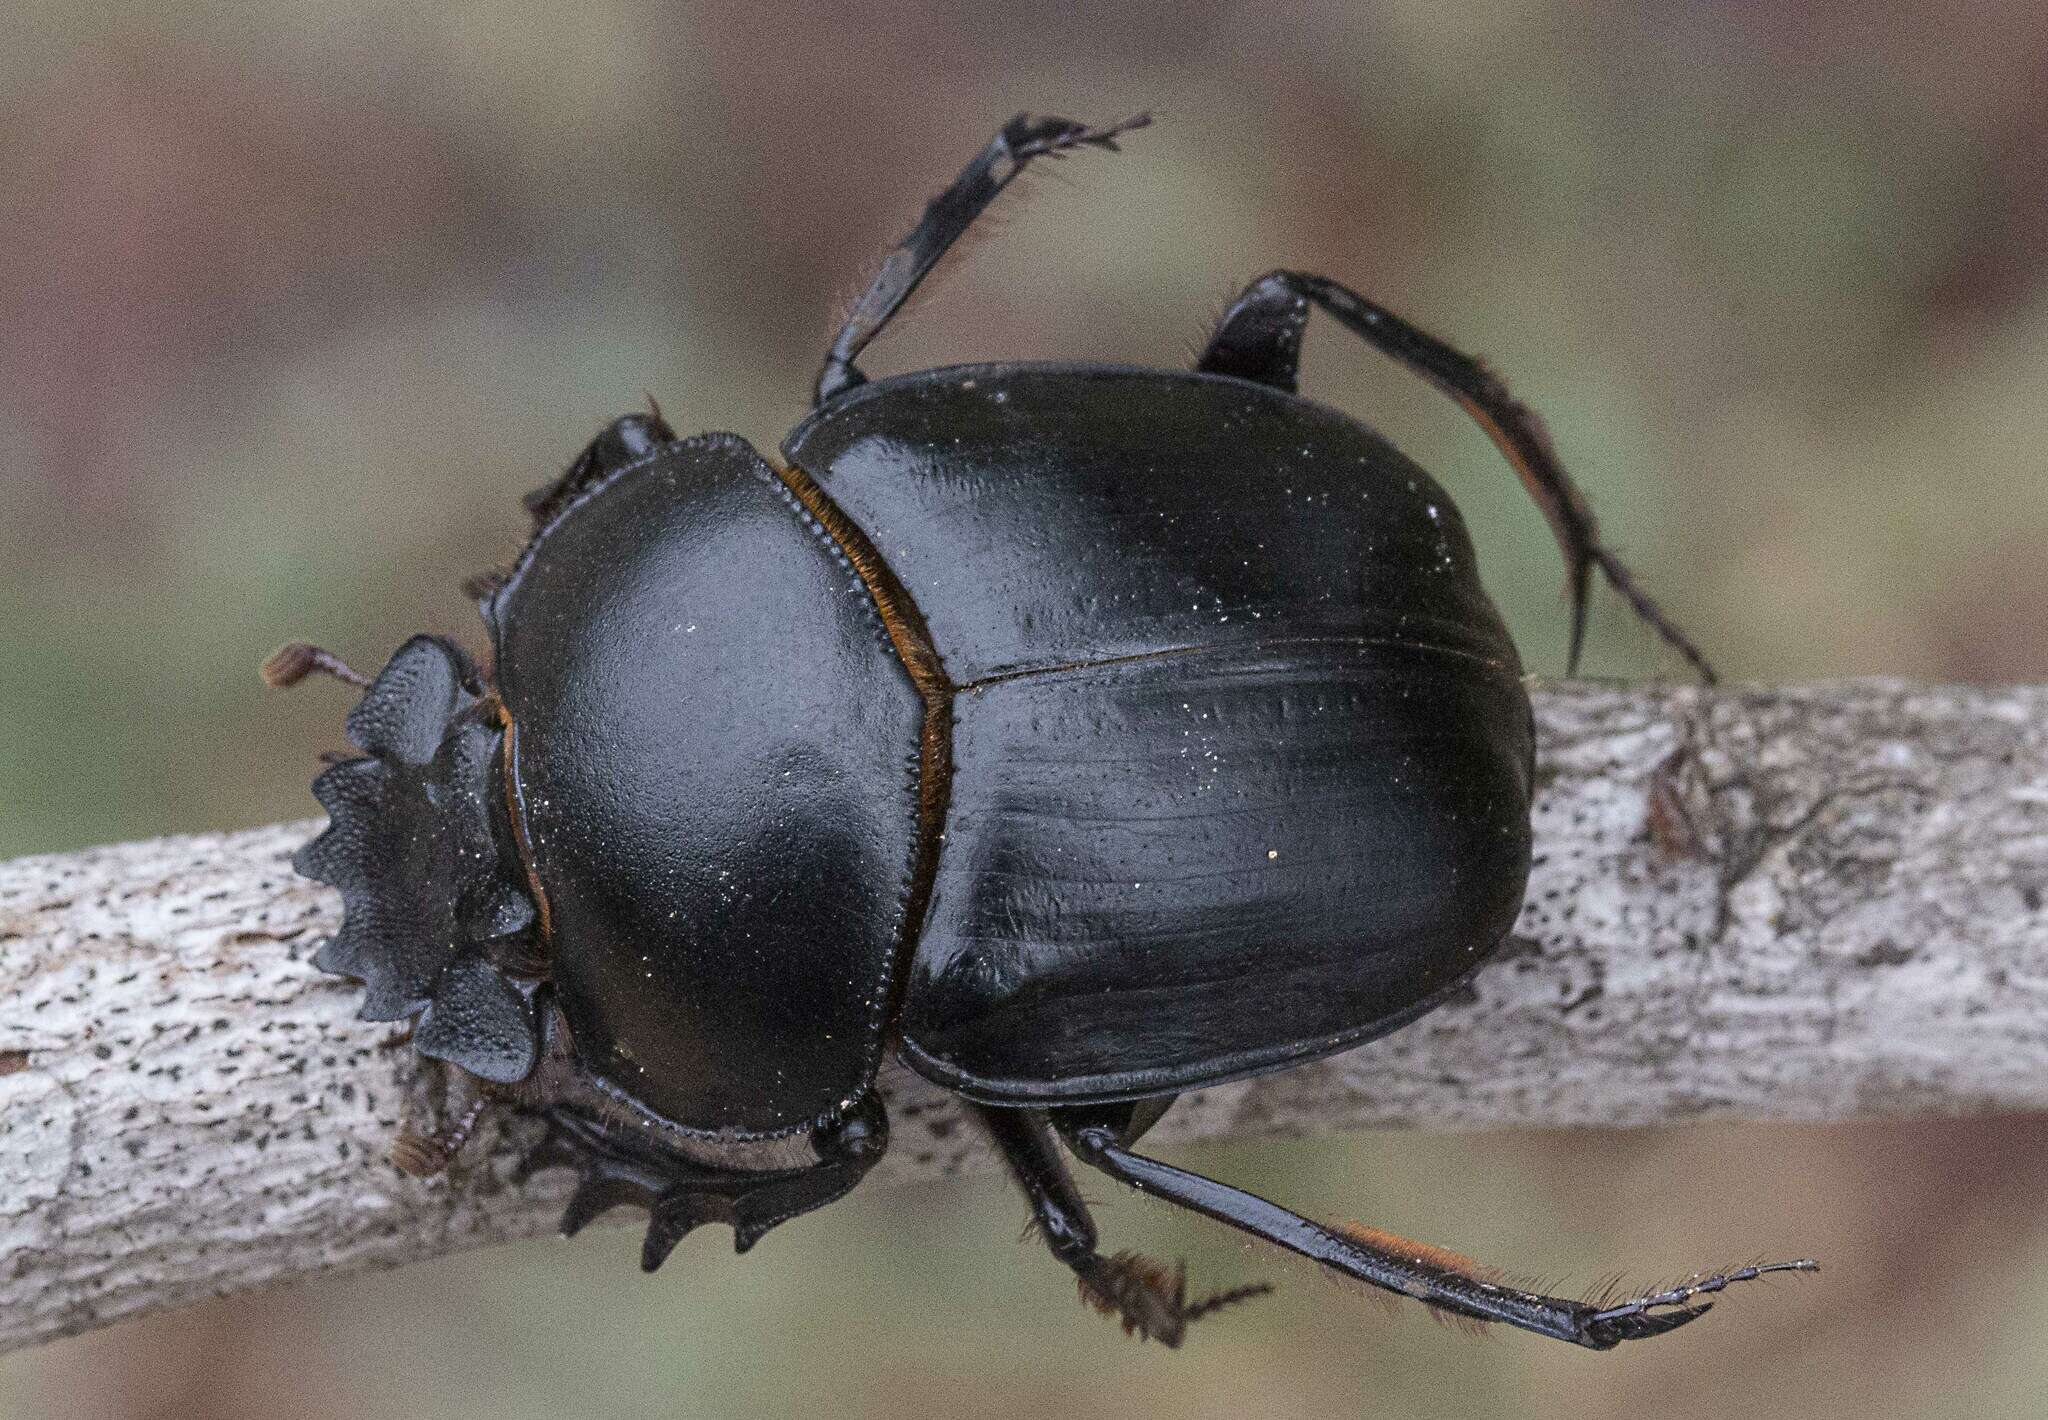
1815	903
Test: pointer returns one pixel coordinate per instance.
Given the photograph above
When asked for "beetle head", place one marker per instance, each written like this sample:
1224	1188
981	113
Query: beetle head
420	845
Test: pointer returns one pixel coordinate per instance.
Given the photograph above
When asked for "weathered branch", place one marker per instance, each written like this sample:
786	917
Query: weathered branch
1816	903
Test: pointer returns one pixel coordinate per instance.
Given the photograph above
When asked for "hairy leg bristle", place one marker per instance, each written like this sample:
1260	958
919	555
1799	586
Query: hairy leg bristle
1149	1298
1458	1321
1425	1254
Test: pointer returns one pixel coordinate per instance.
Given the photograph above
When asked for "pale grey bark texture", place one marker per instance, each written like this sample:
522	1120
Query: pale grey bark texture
1816	903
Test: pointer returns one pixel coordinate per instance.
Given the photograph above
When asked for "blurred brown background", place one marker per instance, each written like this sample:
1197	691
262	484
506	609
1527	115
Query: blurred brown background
295	301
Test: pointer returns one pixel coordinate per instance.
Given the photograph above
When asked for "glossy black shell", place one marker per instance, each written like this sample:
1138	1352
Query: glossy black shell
713	752
1241	757
1226	763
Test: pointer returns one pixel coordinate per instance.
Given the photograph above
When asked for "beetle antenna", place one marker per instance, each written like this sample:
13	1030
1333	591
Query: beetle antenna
295	660
425	1154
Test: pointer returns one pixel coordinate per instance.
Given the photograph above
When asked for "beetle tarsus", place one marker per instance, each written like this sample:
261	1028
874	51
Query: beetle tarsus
1640	602
1149	1298
1641	1316
1027	136
1146	1296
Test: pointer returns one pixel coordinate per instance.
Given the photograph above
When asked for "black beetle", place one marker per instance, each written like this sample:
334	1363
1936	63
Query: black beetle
1083	734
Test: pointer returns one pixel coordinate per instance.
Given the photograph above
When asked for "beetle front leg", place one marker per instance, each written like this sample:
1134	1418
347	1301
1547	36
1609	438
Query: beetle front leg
1149	1298
625	439
1440	1279
1259	338
620	1166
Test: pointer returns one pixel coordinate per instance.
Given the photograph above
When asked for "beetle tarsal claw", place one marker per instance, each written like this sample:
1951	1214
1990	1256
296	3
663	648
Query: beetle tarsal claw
1655	1313
1149	1298
1638	1326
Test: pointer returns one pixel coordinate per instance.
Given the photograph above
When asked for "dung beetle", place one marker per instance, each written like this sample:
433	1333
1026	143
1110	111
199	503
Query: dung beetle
1081	734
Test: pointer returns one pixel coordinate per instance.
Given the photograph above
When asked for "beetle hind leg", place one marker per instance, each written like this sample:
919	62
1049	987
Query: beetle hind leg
1259	338
1453	1285
1148	1297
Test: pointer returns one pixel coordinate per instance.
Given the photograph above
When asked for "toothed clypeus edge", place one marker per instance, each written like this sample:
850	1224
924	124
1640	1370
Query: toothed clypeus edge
431	900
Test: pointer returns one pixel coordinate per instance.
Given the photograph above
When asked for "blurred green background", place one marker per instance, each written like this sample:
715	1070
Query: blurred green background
297	299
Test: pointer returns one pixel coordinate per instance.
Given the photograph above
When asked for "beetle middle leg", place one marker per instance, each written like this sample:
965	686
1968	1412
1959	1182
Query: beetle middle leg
945	219
1148	1297
1431	1275
1259	338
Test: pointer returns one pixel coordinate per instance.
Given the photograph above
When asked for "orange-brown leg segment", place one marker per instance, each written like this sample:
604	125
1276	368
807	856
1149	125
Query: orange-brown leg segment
1259	338
1441	1279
